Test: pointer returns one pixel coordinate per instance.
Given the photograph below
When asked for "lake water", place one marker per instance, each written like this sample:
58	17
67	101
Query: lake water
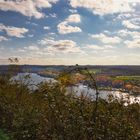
103	94
32	80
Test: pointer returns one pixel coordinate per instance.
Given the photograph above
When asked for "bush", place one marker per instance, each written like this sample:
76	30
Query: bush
49	113
3	136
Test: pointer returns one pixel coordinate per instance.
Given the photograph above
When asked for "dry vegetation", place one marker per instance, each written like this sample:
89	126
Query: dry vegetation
49	114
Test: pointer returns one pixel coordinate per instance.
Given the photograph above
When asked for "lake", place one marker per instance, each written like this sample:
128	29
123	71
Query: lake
32	80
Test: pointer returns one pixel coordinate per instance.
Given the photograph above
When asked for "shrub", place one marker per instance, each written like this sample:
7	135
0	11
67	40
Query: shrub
3	136
50	113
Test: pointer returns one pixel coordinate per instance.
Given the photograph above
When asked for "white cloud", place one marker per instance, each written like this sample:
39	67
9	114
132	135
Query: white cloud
136	19
75	18
130	25
132	34
65	28
103	7
27	7
31	23
51	33
32	48
73	11
123	32
13	31
106	39
124	16
32	51
97	47
2	38
60	46
108	47
135	43
53	15
46	27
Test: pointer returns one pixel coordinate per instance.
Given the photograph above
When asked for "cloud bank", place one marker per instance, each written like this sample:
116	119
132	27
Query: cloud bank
30	8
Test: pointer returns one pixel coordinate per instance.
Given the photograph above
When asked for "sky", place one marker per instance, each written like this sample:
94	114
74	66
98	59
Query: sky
69	32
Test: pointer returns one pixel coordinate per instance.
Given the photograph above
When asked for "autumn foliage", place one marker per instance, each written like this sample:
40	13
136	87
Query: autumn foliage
50	114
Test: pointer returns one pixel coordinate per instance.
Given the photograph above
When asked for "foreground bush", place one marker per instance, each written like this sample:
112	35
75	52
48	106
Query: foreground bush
49	113
3	136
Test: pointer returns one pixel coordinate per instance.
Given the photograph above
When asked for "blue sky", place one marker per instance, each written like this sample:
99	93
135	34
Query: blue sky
96	32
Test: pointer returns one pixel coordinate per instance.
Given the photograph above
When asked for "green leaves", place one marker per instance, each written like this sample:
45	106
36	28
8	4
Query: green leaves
3	136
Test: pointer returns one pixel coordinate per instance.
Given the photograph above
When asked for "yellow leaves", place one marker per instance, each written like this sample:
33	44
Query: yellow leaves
71	79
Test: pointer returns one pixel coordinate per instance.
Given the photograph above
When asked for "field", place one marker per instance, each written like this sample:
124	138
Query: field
128	78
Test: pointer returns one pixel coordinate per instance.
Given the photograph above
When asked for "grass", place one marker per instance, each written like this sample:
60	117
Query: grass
128	78
92	71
